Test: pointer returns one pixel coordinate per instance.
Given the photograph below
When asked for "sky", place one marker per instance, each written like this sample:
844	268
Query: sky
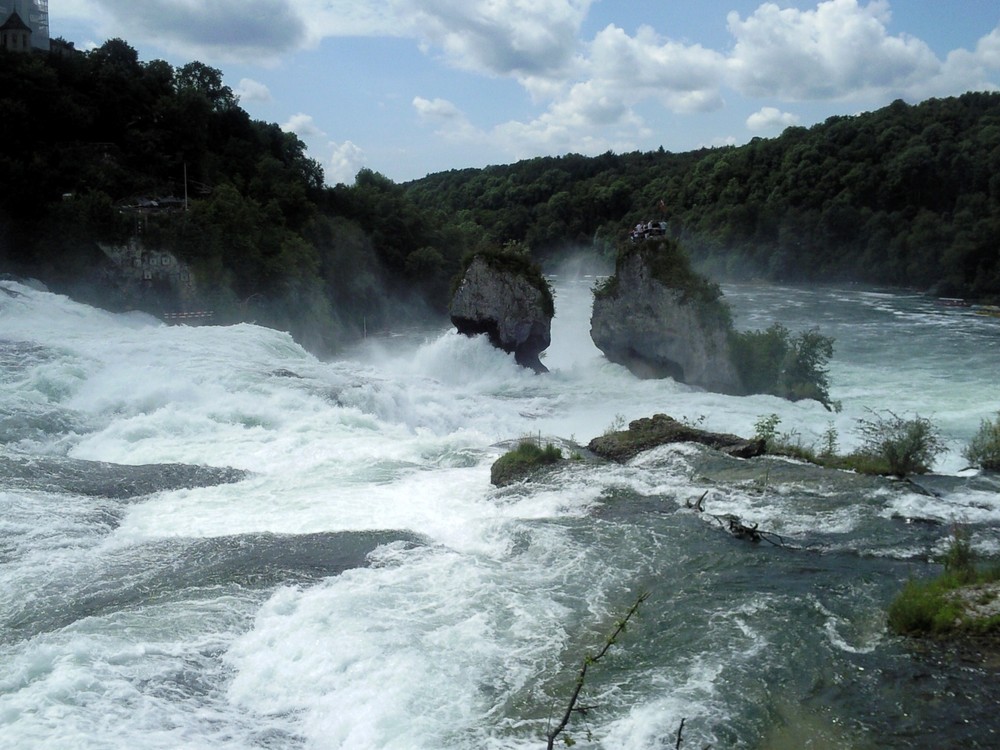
412	87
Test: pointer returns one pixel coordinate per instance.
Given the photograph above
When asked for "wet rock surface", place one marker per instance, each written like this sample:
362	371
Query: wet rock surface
512	309
655	331
660	429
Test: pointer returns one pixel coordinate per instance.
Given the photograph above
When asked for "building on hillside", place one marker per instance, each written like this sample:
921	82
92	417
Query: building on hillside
149	277
24	25
15	34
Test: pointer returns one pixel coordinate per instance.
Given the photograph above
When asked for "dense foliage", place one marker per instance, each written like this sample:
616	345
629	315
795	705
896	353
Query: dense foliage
774	361
100	147
892	446
983	451
907	195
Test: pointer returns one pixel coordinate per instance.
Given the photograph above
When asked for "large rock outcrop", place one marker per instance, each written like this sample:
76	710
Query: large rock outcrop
660	429
506	297
659	319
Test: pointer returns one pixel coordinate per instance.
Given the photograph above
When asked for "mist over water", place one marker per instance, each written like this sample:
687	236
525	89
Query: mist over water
210	538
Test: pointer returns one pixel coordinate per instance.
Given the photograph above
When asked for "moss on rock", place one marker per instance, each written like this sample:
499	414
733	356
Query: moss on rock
660	429
523	461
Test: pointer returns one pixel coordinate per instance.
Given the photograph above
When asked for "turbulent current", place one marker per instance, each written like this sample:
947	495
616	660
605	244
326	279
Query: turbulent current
211	539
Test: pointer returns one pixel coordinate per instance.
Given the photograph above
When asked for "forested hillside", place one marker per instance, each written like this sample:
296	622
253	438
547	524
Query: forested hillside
906	195
86	137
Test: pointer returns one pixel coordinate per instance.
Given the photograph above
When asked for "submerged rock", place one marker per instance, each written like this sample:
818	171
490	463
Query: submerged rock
102	479
505	296
659	319
660	429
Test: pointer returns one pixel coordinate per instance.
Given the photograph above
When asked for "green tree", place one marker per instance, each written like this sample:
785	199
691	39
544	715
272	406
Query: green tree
207	82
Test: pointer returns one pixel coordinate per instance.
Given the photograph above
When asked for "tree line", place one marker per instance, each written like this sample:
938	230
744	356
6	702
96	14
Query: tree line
89	134
907	195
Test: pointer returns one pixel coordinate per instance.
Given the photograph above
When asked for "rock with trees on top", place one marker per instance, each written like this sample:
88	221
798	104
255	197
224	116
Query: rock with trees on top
658	318
504	295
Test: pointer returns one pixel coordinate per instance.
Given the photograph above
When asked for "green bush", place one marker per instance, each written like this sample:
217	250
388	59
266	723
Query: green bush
518	463
829	449
924	608
935	607
606	288
766	429
803	369
775	362
959	559
984	448
758	355
905	446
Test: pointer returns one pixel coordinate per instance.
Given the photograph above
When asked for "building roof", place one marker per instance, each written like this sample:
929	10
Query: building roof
14	23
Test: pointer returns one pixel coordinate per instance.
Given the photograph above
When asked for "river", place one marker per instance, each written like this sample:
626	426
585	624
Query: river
211	539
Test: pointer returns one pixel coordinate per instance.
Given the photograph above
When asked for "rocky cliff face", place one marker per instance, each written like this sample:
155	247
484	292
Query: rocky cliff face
509	304
656	330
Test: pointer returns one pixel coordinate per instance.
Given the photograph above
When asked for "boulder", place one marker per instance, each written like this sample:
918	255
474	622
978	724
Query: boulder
660	429
506	297
659	319
524	461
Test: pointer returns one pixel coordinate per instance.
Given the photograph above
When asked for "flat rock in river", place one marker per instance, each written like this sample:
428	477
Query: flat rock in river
660	429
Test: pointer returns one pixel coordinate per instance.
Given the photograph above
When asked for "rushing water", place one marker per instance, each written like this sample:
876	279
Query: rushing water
210	539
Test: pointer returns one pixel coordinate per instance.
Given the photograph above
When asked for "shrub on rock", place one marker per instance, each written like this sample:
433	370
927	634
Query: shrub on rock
983	451
522	461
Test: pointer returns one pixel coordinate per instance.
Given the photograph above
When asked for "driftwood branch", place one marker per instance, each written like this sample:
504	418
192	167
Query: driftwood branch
736	527
581	676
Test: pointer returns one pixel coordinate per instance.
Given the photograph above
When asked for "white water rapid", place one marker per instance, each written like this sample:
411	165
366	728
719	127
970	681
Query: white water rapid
357	583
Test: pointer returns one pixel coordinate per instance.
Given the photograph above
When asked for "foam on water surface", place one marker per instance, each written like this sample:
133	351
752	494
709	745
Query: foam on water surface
465	626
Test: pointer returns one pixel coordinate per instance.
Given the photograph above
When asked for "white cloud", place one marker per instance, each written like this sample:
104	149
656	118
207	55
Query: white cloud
340	18
840	49
219	30
988	49
302	125
448	119
836	50
497	37
616	73
250	90
501	37
770	120
346	160
435	109
963	70
648	65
